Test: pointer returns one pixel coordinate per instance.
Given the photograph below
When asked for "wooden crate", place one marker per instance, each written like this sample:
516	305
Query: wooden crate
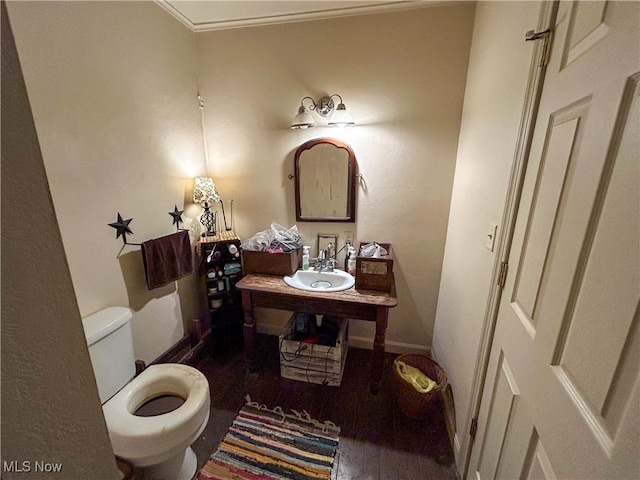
375	273
313	363
271	263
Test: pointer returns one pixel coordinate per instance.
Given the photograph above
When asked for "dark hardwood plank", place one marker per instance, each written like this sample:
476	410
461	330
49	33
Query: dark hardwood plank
351	463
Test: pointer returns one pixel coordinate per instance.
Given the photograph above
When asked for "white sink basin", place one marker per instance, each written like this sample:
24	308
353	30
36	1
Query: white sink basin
312	281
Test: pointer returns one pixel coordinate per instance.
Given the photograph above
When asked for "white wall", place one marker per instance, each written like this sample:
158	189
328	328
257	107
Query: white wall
114	100
402	77
113	91
43	345
494	97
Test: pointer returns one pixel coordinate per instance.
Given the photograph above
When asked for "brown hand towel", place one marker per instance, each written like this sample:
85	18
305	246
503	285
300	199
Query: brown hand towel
167	259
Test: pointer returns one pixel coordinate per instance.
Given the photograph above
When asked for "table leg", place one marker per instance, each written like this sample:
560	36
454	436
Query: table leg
377	360
249	331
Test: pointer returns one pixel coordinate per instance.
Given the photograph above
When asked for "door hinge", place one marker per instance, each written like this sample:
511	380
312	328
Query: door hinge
474	427
502	276
545	35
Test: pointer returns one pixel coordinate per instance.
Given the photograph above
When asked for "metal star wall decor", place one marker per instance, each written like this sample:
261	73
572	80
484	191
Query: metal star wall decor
177	216
122	227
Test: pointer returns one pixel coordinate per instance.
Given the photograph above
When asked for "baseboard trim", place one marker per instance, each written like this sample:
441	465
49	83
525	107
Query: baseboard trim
456	452
189	348
400	348
450	423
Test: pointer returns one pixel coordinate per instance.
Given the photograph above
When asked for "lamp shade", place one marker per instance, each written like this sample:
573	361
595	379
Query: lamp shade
341	118
303	119
204	190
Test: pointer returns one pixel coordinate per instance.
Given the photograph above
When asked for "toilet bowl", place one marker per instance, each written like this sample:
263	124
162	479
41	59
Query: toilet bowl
159	439
159	444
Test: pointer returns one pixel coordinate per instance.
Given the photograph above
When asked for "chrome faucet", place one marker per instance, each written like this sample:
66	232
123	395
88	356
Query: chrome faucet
324	262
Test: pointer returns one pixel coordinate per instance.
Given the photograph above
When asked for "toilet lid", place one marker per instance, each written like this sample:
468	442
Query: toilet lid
147	435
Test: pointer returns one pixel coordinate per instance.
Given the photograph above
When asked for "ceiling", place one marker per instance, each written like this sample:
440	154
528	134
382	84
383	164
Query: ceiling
223	14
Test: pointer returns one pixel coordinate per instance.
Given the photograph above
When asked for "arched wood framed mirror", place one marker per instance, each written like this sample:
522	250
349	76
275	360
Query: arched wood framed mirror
325	173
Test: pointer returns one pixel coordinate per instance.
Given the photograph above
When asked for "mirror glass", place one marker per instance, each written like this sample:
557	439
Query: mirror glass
325	173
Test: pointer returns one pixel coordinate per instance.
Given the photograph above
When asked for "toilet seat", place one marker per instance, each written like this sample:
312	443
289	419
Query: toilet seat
145	440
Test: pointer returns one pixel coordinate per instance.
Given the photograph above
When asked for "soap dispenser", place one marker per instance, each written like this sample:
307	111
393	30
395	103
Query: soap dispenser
351	262
305	257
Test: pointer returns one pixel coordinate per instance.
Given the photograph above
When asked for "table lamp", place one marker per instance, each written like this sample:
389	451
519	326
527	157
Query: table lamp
204	192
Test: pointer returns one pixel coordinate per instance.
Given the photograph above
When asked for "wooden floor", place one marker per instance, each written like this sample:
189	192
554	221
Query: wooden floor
376	441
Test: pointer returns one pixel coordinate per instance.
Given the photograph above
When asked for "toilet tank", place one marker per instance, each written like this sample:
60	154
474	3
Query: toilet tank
110	342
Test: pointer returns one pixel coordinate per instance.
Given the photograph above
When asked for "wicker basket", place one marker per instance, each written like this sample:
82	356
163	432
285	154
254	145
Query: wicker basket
412	403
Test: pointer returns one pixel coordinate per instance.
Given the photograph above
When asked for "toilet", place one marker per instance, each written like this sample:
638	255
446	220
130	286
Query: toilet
161	443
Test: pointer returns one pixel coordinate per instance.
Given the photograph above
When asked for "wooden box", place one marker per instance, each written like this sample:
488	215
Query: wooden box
375	273
313	363
271	263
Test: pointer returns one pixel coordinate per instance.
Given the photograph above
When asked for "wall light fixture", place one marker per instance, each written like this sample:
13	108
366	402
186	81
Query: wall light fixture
325	107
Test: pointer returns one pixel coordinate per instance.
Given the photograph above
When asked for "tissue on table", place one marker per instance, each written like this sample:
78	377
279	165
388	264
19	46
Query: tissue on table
373	250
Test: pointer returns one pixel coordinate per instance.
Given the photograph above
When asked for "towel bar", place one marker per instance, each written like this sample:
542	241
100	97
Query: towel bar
122	226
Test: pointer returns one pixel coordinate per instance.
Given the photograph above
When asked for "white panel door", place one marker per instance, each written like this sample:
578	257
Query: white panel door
561	397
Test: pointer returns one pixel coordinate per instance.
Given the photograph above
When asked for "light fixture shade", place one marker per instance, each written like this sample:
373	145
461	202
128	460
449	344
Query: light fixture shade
303	119
204	190
341	118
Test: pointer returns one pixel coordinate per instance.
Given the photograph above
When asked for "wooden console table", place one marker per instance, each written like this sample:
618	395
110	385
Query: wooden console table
270	291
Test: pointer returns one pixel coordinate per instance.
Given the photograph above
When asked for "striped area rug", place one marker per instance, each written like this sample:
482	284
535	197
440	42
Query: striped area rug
264	444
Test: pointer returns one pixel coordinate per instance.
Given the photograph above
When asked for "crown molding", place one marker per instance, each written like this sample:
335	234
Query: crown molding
175	13
296	17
